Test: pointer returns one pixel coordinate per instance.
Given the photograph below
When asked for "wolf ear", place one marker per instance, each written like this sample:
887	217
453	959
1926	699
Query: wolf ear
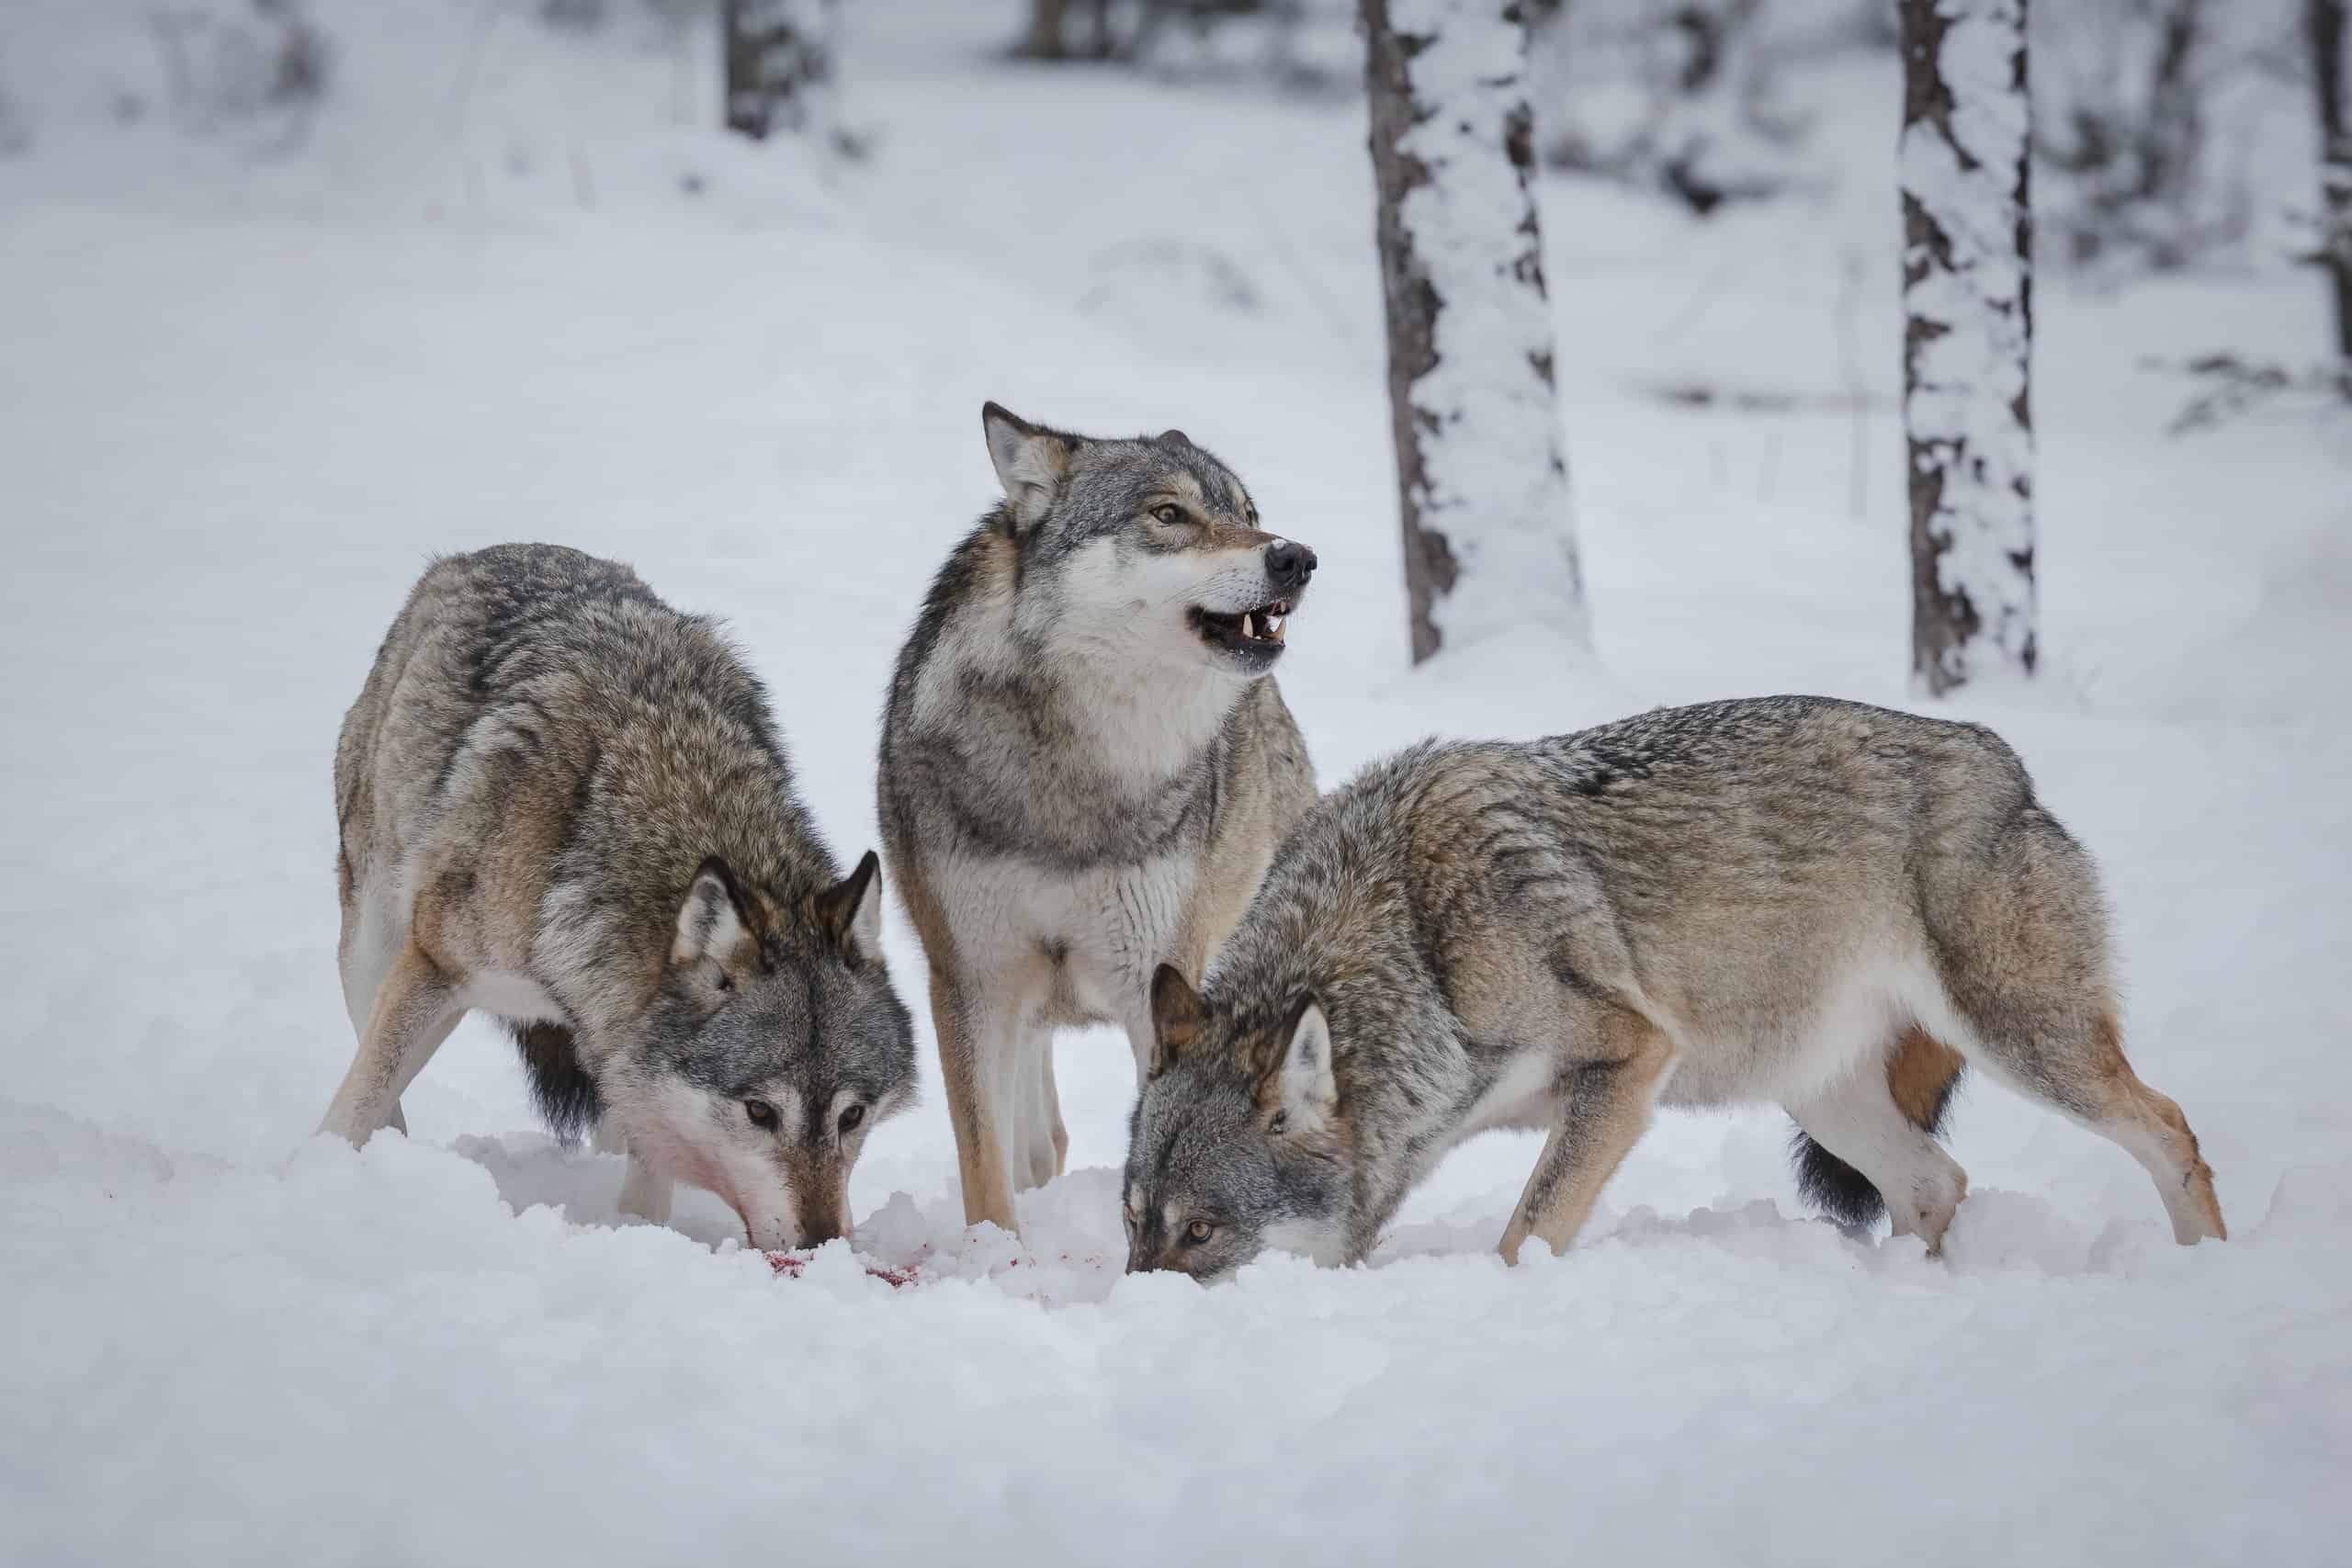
850	911
710	922
1030	463
1298	1085
1175	1016
1175	438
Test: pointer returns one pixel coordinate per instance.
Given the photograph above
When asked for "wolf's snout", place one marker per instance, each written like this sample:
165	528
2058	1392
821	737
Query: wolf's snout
1288	566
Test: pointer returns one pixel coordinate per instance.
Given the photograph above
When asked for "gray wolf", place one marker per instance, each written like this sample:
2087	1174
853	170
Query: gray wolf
1789	900
565	804
1085	764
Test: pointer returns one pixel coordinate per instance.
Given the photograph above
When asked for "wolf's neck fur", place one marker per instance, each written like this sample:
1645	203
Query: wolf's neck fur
681	773
1075	747
1148	725
1335	920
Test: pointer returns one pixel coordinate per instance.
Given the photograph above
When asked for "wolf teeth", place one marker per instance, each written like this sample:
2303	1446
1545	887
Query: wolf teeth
1246	628
1274	627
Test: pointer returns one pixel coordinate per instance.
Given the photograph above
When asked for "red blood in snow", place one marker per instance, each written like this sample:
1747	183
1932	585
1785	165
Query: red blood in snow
790	1264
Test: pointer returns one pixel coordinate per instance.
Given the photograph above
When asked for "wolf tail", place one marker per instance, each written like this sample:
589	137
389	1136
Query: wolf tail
1922	1074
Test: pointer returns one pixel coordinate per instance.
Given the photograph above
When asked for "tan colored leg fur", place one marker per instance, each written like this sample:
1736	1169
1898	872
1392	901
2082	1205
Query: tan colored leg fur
2151	1128
414	1012
980	1143
1600	1118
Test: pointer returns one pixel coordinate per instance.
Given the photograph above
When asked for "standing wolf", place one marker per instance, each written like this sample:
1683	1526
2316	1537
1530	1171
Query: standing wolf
565	804
1085	766
1789	899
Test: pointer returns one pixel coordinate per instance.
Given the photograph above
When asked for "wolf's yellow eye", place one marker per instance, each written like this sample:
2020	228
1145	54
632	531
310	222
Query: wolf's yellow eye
1169	514
762	1113
1198	1233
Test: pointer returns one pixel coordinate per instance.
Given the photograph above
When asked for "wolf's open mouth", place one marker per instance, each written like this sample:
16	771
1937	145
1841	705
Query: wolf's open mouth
1252	631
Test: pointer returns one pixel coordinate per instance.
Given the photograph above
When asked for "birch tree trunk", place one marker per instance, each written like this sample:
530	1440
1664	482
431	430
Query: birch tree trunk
1482	482
2325	21
779	62
1968	332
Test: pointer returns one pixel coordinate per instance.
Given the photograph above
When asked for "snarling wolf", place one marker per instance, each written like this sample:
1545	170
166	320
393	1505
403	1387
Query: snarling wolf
1085	764
565	804
1790	899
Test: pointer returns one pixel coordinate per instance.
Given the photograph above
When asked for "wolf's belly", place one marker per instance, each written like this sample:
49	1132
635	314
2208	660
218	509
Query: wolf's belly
1083	944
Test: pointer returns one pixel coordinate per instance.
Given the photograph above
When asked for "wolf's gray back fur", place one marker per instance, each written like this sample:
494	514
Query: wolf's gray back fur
1076	782
565	803
1738	901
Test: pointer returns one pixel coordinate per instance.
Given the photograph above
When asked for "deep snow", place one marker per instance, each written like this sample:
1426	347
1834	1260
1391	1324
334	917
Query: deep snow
246	393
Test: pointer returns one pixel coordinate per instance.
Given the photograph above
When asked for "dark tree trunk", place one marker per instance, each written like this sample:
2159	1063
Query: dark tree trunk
779	64
2325	20
1968	334
1045	40
1481	480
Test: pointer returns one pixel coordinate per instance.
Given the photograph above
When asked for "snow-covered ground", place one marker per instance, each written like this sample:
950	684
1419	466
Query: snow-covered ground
248	383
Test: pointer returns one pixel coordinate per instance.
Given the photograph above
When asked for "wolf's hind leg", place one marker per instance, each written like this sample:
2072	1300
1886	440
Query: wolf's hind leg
2081	1072
1603	1108
1859	1120
415	1008
2022	946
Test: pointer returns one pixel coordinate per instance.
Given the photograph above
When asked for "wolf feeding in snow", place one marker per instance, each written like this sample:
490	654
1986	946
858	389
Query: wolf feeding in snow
565	804
1790	899
1085	764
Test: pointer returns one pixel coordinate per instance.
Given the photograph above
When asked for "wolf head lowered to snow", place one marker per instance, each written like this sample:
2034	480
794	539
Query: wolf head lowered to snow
564	804
1237	1143
773	1046
1147	550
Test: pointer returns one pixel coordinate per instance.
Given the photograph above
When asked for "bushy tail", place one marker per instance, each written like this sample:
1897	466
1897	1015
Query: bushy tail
1922	1074
561	1087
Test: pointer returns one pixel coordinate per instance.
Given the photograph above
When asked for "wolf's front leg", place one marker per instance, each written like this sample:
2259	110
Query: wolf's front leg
974	1043
1601	1113
1046	1141
415	1008
645	1195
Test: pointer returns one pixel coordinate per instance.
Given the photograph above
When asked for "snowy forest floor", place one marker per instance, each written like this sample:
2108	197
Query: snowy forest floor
247	393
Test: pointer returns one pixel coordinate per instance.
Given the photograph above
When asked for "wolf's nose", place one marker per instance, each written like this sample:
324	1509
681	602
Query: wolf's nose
1288	566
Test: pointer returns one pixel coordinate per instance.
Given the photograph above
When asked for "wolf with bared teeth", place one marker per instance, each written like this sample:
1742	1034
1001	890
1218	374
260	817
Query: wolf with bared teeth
1085	764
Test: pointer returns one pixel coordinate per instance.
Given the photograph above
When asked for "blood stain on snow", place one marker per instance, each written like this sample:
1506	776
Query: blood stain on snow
790	1265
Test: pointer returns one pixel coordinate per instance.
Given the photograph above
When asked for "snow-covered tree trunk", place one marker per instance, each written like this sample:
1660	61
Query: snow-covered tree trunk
779	61
1968	332
2325	20
1489	538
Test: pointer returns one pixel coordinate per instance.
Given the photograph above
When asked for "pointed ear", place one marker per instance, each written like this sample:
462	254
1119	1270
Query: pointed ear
1175	1016
850	911
1297	1084
1175	438
711	923
1030	463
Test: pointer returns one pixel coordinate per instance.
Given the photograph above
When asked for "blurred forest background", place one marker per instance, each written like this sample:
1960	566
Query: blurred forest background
297	294
2168	139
